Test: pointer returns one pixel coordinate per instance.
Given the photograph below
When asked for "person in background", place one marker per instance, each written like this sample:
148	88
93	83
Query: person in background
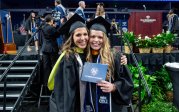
173	22
49	47
41	22
118	81
70	14
59	15
31	27
165	26
80	9
114	27
114	30
100	11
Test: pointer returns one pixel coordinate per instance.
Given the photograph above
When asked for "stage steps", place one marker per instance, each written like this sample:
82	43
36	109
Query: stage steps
19	79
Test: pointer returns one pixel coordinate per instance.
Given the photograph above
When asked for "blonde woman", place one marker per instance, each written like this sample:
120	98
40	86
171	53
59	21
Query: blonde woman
118	83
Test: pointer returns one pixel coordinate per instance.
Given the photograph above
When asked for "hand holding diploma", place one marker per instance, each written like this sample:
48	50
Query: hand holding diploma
106	87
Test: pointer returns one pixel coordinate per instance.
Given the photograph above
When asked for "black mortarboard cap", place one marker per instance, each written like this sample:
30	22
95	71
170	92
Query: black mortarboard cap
32	11
73	23
100	24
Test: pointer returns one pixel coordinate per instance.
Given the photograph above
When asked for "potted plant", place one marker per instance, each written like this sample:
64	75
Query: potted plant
130	37
143	44
157	43
169	39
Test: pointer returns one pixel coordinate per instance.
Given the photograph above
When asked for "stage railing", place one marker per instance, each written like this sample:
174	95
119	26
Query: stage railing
4	75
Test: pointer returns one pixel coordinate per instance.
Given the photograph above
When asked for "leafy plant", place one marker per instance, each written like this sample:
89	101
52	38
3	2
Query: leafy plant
168	37
163	79
164	83
150	79
159	82
130	36
158	41
143	42
163	39
159	106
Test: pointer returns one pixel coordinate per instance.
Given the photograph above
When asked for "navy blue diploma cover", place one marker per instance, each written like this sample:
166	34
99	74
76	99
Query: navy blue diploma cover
94	72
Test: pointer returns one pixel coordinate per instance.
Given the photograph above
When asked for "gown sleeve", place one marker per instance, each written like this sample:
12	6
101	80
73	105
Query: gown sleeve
123	82
66	85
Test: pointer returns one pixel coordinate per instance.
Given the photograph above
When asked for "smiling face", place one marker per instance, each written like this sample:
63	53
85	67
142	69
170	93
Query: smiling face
33	15
80	37
96	39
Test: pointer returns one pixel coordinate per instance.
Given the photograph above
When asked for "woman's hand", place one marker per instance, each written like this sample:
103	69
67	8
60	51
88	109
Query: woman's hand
123	60
106	87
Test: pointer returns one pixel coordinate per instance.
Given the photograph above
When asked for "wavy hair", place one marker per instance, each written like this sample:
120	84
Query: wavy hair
69	44
105	55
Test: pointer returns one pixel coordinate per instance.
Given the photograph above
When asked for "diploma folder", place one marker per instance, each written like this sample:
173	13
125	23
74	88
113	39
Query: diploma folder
94	72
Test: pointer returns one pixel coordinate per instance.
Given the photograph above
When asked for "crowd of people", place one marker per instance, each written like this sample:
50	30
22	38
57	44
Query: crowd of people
82	40
61	15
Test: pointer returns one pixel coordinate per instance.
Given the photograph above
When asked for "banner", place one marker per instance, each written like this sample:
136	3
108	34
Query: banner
6	27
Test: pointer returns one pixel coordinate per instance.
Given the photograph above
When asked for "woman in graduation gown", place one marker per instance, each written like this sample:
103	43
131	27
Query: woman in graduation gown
118	79
68	89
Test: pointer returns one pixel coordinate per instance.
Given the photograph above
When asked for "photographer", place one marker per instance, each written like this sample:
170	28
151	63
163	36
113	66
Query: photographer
49	46
114	27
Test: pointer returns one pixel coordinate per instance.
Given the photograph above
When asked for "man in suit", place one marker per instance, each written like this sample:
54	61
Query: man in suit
49	47
80	9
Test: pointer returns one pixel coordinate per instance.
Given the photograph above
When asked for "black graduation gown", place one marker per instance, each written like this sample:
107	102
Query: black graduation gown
121	98
28	27
49	50
50	39
123	80
66	89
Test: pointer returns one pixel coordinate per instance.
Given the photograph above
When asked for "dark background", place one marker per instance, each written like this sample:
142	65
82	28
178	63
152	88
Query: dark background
18	8
21	4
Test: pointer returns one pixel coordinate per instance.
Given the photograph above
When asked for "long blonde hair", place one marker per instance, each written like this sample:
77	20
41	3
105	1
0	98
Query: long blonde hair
106	57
